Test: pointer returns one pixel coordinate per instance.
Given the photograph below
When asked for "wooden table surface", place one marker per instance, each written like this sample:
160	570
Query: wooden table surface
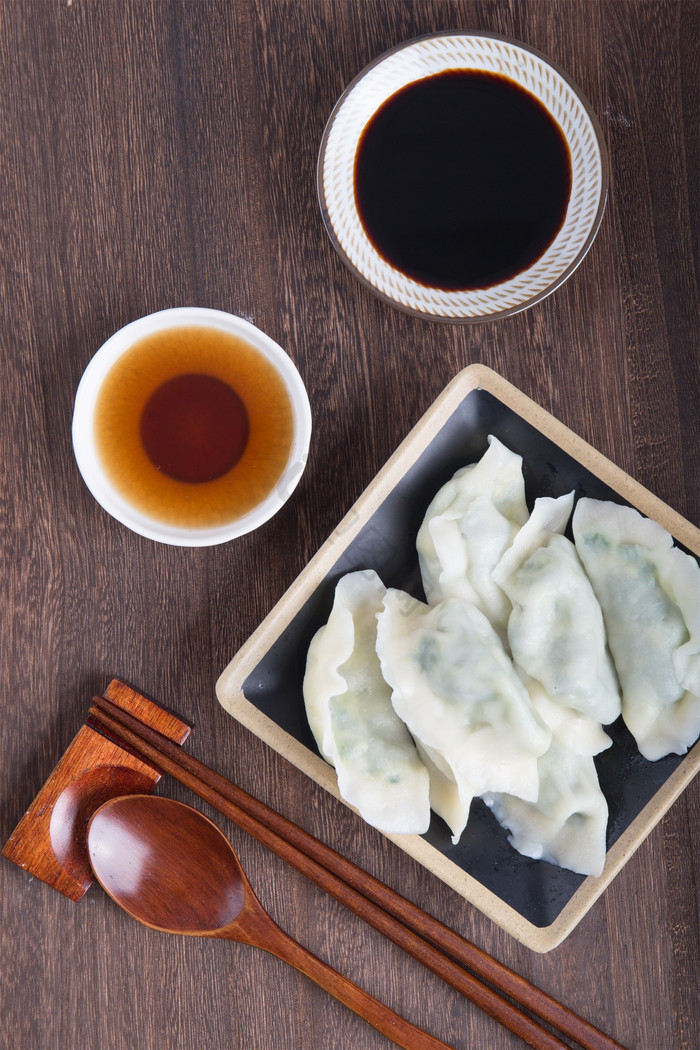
157	153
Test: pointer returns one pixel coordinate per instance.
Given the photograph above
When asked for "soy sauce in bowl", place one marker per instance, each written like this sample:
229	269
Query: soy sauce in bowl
462	180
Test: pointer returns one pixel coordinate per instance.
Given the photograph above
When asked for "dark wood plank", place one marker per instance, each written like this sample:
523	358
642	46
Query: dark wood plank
163	152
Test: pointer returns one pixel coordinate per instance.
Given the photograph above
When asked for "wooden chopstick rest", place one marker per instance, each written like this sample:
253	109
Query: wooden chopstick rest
50	840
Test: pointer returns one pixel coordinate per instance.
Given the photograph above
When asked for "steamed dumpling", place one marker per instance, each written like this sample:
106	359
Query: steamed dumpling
567	824
469	524
649	592
348	705
457	691
576	732
450	797
555	630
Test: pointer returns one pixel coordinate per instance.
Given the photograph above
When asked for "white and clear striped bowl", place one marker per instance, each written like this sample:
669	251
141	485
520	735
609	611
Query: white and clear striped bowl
425	57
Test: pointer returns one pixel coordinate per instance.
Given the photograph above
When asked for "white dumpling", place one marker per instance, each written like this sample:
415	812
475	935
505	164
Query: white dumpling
449	797
469	524
577	733
457	691
555	630
567	824
350	713
649	592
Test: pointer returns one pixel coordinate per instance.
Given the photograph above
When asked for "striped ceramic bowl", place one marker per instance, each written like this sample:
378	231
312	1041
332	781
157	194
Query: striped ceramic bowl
424	57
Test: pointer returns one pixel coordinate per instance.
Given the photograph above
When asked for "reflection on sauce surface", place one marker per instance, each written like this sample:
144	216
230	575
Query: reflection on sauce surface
194	427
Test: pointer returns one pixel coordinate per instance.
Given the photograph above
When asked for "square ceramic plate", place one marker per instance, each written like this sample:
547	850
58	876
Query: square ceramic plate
536	902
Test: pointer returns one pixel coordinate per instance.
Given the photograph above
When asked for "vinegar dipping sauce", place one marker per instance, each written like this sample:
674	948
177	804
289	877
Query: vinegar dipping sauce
462	180
193	426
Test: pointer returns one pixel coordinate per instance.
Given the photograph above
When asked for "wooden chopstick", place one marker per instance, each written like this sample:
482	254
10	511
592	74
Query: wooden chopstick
419	934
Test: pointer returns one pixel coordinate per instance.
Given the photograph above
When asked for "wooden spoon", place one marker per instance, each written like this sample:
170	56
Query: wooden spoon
171	868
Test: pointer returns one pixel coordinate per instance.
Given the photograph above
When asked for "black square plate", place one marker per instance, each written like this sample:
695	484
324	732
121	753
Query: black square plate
537	902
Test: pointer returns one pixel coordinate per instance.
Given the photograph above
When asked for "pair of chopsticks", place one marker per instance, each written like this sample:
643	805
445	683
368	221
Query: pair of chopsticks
443	951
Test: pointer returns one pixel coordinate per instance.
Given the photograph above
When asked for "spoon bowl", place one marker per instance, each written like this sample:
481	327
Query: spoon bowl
172	869
151	868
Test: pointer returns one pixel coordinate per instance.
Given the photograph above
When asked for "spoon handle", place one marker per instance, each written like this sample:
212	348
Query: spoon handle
258	929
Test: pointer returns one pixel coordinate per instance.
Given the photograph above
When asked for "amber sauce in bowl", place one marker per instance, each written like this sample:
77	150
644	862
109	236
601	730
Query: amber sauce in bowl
194	432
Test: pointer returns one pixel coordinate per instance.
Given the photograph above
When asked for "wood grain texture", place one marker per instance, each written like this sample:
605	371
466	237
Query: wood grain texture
160	153
49	841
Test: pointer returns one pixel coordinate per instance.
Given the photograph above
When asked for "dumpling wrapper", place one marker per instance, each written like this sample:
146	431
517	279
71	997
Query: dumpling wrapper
466	529
555	630
348	705
450	798
575	732
567	824
457	691
649	592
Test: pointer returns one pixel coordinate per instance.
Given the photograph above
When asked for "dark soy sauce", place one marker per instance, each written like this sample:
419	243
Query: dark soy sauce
462	180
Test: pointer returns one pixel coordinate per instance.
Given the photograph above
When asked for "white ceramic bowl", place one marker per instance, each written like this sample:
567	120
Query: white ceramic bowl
92	469
425	57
